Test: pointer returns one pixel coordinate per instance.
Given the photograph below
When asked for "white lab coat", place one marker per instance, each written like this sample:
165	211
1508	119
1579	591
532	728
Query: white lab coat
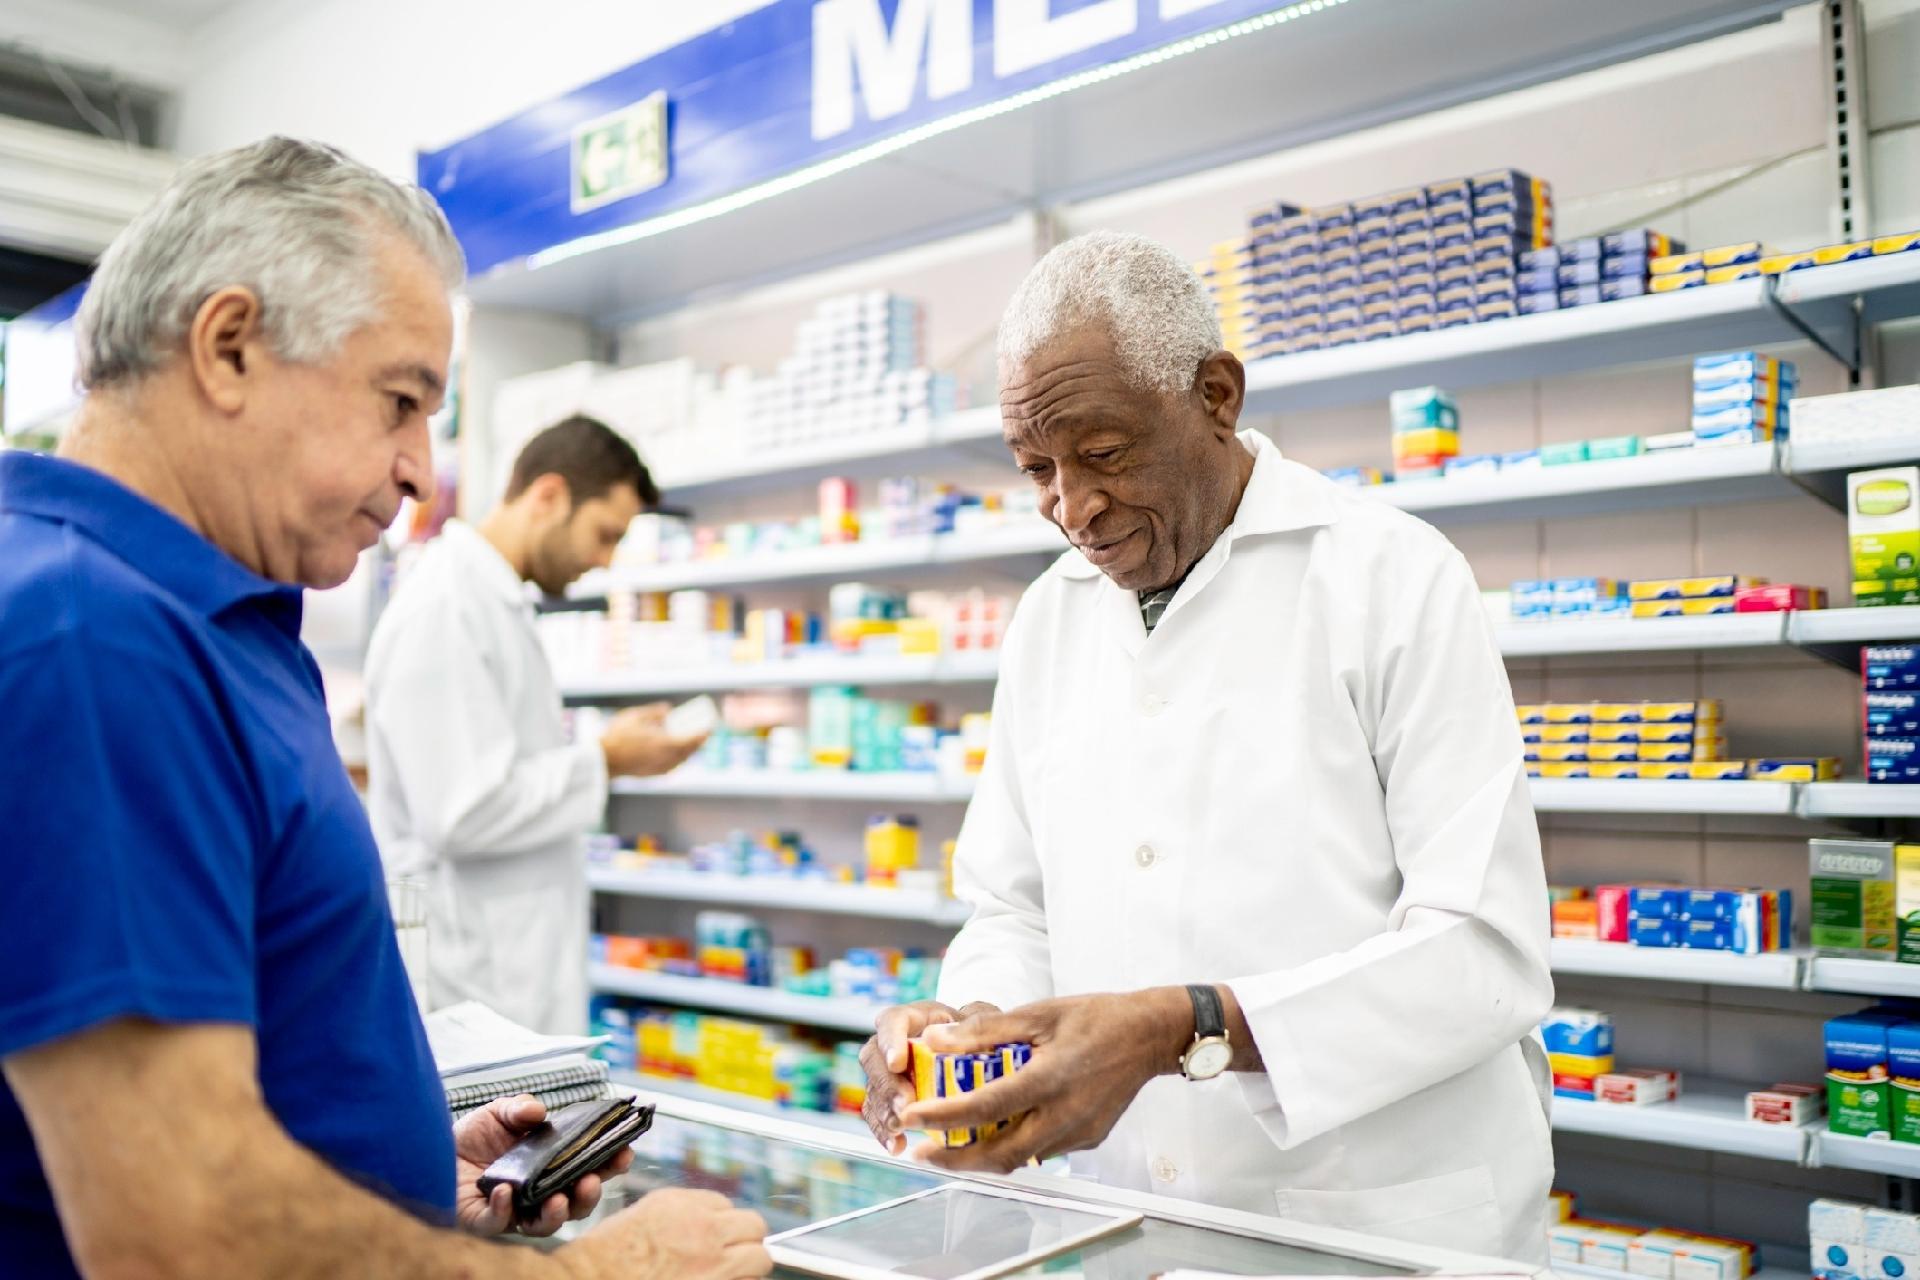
1306	784
473	787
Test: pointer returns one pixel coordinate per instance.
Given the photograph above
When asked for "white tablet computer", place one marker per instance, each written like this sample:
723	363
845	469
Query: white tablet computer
957	1231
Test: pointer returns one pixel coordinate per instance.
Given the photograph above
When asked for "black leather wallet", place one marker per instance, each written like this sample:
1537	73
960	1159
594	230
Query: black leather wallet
571	1143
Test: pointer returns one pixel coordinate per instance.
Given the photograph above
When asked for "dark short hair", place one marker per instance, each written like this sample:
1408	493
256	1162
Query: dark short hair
590	456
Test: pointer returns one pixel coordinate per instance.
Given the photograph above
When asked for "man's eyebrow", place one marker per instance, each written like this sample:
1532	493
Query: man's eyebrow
418	372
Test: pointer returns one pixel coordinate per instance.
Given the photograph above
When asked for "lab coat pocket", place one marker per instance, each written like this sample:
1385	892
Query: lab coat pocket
1452	1211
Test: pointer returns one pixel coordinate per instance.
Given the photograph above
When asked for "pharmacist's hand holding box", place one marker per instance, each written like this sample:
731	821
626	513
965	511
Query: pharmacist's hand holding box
888	1059
1091	1055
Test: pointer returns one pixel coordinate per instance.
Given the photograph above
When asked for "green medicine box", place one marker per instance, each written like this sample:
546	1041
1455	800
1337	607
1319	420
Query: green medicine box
1883	528
1853	899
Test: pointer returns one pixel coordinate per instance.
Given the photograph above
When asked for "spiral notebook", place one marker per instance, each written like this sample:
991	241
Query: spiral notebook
552	1099
570	1072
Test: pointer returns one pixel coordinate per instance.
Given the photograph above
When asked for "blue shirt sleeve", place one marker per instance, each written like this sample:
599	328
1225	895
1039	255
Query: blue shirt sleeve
128	832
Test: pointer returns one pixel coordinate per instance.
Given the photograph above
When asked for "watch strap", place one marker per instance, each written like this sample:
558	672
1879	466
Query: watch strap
1209	1017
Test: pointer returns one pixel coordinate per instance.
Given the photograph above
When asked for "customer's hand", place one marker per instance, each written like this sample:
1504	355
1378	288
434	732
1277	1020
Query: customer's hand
672	1235
482	1137
637	744
887	1059
1091	1055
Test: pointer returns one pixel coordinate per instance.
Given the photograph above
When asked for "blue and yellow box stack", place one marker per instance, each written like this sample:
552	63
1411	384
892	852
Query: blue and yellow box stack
948	1075
1591	270
1406	261
1741	397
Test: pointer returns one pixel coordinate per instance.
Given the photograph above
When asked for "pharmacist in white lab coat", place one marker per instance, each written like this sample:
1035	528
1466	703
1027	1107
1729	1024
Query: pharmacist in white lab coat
472	784
1253	745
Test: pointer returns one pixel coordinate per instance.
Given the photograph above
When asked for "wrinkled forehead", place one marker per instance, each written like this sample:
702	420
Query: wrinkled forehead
1068	386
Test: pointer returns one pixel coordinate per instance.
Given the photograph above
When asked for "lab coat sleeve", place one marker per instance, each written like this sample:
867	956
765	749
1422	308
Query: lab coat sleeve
1001	955
439	709
1461	974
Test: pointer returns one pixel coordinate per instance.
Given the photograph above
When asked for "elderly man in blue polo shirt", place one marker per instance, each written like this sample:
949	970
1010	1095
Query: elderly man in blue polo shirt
210	1061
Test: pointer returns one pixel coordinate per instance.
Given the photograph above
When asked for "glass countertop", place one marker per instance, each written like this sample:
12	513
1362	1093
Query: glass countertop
792	1183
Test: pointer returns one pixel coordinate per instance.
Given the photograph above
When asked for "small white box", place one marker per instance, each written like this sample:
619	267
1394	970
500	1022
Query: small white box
1563	1242
1837	1260
1640	1087
1891	1266
1837	1220
1652	1254
1889	1231
1702	1260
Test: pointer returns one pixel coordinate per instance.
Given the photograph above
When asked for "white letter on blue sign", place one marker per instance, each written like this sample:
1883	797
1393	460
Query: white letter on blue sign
852	35
1026	34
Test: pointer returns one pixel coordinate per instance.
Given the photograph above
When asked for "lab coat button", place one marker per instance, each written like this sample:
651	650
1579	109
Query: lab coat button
1153	704
1164	1170
1145	856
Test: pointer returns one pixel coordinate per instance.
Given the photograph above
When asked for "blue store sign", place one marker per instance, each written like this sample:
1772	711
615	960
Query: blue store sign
774	93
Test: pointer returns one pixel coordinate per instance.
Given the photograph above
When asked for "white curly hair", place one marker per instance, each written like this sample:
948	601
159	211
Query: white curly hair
1159	314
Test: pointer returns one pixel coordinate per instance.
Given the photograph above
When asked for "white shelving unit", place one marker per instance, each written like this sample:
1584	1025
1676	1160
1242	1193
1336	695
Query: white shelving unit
838	1122
1858	800
1759	799
973	667
1735	474
782	894
1016	540
878	788
1862	977
852	1016
1854	626
1873	1155
1707	1116
1642	635
1779	971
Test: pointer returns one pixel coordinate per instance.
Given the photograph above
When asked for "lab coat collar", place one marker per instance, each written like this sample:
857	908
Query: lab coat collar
486	562
1280	498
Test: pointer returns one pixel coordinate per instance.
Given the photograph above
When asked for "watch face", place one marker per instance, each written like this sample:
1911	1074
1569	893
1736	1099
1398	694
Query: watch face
1208	1059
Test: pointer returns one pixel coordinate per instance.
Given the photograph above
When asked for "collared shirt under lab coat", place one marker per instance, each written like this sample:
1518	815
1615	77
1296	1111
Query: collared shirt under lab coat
1307	784
473	787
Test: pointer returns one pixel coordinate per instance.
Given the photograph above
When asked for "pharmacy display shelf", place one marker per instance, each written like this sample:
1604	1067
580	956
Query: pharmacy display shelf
769	784
1871	1155
1823	466
1689	477
1843	976
1780	970
1023	539
958	437
854	1016
1837	634
794	673
777	892
1641	635
1758	799
691	1091
1858	800
1708	1115
1888	288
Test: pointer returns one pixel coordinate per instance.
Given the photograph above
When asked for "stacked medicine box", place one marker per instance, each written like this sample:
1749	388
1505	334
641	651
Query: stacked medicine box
1890	712
1741	397
1408	261
1227	272
1583	272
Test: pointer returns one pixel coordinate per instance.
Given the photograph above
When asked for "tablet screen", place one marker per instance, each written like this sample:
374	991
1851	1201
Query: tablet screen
947	1233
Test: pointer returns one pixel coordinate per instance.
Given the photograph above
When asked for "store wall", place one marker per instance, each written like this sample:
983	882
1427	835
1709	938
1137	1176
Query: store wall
384	80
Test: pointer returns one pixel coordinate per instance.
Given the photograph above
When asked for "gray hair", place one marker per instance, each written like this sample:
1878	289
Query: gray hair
1160	316
296	222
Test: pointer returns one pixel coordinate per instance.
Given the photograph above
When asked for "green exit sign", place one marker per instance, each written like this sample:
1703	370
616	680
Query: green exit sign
621	154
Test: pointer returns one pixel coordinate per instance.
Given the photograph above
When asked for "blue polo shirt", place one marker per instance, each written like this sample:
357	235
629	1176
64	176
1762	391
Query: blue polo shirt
179	842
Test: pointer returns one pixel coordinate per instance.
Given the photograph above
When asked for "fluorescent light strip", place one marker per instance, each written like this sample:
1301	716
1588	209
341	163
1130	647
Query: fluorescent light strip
907	138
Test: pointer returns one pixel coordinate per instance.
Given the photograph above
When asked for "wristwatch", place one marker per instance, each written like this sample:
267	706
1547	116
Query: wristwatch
1209	1054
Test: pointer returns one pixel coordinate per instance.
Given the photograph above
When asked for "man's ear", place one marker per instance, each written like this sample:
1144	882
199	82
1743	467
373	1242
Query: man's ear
224	344
550	496
1222	386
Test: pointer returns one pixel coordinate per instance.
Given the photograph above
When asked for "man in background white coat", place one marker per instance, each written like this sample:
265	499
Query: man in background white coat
1253	863
472	784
